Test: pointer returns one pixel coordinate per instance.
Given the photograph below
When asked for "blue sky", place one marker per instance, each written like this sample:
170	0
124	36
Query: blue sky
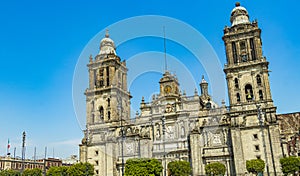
41	42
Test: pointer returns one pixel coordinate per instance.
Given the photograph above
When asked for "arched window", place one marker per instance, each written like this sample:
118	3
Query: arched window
107	76
208	105
108	102
258	80
261	96
101	111
248	92
252	48
108	115
236	83
234	53
238	97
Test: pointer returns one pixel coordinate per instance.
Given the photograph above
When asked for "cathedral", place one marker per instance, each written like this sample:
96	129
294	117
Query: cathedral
175	126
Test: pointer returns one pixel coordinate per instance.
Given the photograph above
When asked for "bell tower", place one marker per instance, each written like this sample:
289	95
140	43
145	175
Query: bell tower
252	114
107	98
246	70
169	85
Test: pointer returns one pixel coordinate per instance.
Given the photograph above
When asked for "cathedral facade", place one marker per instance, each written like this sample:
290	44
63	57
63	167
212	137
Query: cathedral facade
174	126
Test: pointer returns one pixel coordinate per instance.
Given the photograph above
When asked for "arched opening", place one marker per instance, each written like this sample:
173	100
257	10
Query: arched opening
258	80
234	53
108	115
108	102
101	111
208	105
236	83
107	76
252	48
248	92
238	97
261	96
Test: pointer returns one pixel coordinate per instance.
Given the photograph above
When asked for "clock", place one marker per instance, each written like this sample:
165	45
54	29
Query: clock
168	89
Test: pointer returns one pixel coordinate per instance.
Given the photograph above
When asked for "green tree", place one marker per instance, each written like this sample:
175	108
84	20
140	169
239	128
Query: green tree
179	168
143	167
32	172
58	171
9	172
255	166
80	169
215	168
290	165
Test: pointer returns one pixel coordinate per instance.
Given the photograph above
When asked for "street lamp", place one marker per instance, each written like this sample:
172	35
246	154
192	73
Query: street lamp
86	149
122	133
23	150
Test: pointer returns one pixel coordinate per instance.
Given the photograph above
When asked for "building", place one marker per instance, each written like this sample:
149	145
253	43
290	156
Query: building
18	164
174	126
289	126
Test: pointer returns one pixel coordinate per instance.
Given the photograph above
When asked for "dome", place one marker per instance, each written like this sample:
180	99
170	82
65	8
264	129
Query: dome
107	45
239	15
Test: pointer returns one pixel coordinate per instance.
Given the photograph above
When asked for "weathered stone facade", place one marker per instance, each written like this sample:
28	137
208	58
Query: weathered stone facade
289	126
174	126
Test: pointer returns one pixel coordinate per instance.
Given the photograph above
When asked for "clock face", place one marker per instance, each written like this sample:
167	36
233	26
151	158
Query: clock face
168	89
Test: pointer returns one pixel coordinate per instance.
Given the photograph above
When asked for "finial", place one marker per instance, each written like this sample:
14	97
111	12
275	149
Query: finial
223	102
203	80
91	58
106	33
143	99
196	91
237	4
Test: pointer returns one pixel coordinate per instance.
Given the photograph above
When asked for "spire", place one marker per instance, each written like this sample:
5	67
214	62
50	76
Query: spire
203	80
91	58
204	86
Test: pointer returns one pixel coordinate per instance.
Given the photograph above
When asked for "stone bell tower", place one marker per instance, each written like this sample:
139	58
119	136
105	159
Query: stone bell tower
107	106
246	70
107	91
254	129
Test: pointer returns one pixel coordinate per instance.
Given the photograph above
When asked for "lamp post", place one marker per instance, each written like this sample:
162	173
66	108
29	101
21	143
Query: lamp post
164	145
23	150
86	150
261	123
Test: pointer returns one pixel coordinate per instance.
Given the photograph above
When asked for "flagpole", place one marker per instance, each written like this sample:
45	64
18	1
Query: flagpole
8	146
